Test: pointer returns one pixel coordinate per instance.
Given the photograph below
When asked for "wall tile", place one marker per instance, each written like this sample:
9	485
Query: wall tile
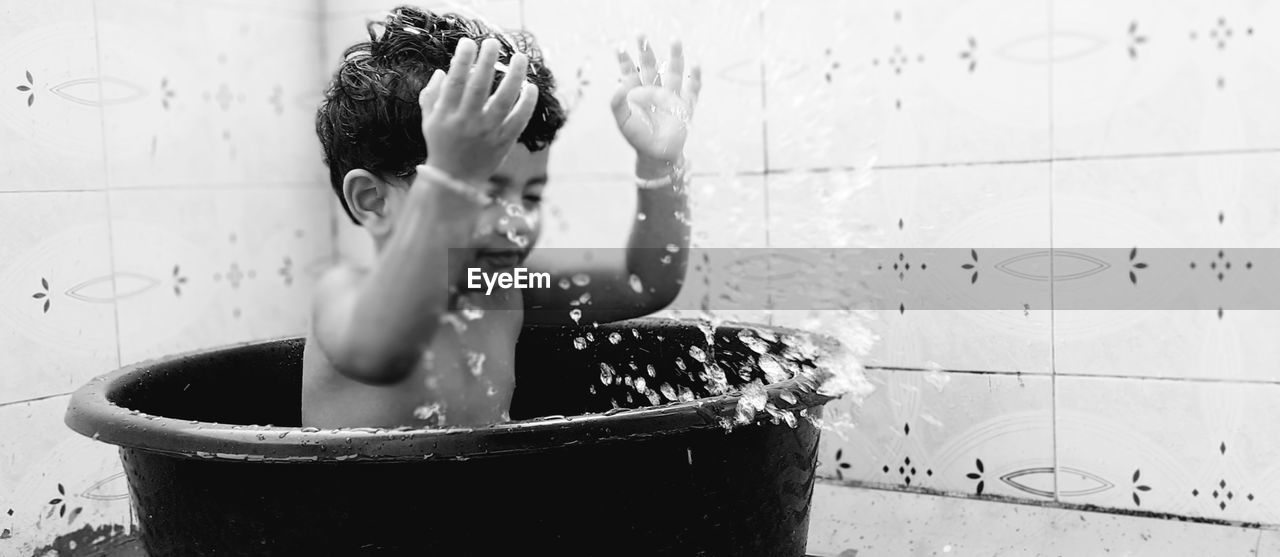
216	266
873	523
1140	76
57	324
964	211
1188	448
214	106
727	127
50	122
344	21
57	482
946	432
906	83
1167	203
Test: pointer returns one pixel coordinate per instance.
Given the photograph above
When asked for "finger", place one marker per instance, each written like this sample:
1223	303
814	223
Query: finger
648	64
508	91
673	78
630	80
692	88
464	57
430	94
480	76
520	114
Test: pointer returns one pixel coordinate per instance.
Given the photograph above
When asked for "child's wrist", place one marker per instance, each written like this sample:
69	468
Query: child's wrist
448	182
655	174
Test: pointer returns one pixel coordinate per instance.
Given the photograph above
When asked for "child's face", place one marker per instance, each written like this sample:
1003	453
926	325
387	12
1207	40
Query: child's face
509	228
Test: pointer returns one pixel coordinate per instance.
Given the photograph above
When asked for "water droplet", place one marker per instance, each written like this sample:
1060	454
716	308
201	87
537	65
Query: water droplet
472	314
564	284
697	354
773	371
672	248
581	279
475	362
788	396
606	373
591	337
750	341
580	343
636	285
648	368
615	338
639	384
668	392
685	395
635	333
575	314
428	411
680	364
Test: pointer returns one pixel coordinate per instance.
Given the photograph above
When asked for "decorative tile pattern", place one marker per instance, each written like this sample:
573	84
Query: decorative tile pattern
1223	201
945	432
56	483
215	108
1186	448
55	332
50	122
906	83
864	522
968	210
215	266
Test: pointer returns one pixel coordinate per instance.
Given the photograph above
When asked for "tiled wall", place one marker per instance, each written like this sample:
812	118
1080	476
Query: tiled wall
160	191
1042	126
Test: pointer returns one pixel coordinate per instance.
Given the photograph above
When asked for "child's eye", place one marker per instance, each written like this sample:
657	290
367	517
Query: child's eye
533	199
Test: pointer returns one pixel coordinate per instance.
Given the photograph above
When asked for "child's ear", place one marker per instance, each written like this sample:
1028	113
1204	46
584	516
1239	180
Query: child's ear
367	196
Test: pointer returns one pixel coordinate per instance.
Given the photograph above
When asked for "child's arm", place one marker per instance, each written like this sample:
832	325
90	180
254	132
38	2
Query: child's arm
373	326
653	114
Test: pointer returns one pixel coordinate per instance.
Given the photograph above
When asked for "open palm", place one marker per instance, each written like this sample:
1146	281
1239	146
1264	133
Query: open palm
653	110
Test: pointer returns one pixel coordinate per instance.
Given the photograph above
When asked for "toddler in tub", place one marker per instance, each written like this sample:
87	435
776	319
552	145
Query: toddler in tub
437	134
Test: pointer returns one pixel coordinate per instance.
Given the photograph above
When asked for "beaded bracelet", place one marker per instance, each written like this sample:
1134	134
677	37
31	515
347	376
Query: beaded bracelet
455	185
676	175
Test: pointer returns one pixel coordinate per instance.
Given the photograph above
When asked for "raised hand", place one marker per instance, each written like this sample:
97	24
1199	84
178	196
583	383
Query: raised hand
653	109
469	132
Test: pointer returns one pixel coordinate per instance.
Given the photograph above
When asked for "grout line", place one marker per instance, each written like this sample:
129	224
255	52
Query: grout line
1078	375
1010	500
36	399
1053	344
106	178
764	150
1257	547
917	166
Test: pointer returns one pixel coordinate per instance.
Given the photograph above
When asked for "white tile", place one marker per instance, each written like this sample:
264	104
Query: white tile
1161	77
849	82
975	434
727	132
344	20
870	523
1269	543
1159	205
958	212
57	324
220	104
56	482
1188	448
50	125
215	266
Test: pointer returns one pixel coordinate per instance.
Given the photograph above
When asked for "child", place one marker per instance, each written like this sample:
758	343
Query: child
428	162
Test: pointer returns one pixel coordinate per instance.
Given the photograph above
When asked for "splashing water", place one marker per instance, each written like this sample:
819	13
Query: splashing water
564	284
750	341
650	370
581	279
606	373
580	343
668	392
615	337
590	337
636	285
753	399
433	413
575	314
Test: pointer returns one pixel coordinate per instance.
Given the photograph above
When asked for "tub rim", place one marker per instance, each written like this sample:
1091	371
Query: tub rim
92	413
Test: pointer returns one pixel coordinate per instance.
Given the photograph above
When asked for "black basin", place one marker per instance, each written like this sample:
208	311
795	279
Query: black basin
217	464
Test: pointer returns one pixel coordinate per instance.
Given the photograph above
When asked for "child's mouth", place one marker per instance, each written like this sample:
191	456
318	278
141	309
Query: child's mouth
499	258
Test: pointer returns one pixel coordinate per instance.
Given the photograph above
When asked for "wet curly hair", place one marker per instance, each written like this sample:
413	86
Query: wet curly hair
370	118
